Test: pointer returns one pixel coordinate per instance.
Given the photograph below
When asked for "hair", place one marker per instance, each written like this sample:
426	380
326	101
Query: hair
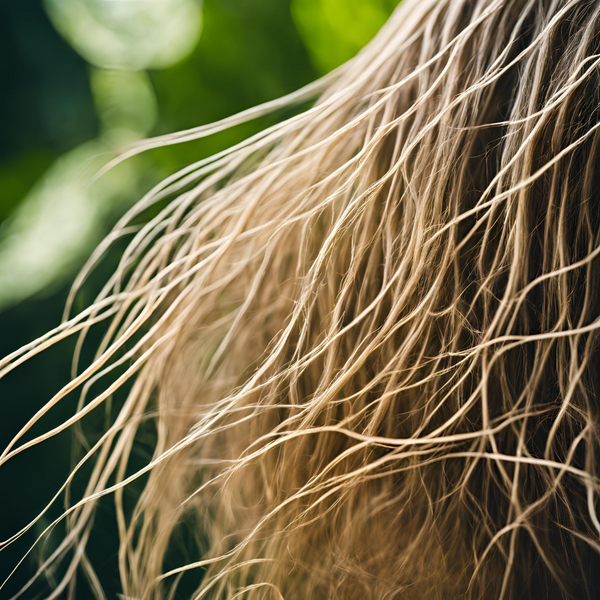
367	337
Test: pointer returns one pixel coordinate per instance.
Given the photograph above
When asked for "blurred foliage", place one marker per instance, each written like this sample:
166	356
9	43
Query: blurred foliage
335	30
118	34
81	78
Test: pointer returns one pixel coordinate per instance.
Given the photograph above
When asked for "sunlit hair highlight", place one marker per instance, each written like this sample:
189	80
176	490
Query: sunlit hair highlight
367	336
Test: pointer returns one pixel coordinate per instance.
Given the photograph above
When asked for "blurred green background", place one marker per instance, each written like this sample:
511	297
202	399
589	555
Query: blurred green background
80	79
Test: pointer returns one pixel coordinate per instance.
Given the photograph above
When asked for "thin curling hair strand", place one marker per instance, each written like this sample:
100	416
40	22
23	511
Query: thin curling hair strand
367	338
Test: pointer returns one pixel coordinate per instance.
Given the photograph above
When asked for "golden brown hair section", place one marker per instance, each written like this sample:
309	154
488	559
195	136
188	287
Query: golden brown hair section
368	336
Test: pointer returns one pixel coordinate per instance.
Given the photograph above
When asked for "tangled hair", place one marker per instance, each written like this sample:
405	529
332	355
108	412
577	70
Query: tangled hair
367	337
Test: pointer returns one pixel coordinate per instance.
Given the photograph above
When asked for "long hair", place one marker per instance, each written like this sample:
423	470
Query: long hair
366	338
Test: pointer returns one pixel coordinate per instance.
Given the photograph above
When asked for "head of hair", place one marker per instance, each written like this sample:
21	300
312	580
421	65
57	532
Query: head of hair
367	338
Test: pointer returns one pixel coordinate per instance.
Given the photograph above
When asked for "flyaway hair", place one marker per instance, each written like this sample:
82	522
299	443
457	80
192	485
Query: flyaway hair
367	337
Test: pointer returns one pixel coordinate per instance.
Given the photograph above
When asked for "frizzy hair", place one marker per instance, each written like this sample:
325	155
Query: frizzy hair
368	336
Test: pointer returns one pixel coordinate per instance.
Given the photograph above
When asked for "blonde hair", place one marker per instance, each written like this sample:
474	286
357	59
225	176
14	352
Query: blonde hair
367	337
